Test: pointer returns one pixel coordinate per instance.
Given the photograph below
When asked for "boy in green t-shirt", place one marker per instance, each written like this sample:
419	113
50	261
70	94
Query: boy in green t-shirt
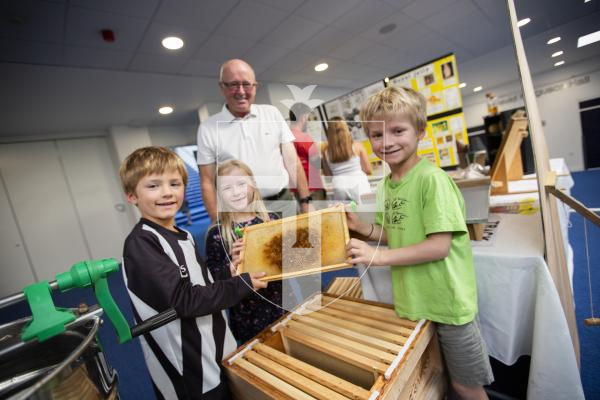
421	216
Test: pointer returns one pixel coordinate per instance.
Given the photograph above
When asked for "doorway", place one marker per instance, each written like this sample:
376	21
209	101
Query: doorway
589	112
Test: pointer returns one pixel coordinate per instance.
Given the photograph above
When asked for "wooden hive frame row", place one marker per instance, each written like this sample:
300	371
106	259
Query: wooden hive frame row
351	349
346	286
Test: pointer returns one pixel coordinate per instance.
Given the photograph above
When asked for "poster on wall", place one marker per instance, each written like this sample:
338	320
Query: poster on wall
443	139
437	81
446	132
348	107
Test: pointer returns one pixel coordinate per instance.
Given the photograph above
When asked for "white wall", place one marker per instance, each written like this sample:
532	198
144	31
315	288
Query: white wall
170	136
559	93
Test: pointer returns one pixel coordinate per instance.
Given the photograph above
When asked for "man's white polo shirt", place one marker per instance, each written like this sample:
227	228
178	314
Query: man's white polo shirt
253	139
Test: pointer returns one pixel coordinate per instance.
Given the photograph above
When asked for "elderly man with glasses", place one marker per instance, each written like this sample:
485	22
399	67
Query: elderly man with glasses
255	134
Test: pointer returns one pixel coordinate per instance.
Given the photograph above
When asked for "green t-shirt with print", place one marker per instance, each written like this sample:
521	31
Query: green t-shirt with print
426	200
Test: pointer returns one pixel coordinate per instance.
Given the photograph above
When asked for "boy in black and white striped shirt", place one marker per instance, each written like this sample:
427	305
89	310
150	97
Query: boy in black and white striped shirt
162	270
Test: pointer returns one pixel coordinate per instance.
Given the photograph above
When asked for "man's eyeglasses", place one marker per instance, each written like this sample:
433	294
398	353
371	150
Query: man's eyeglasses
233	86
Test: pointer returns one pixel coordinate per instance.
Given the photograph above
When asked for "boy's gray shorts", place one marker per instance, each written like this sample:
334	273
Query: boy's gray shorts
465	354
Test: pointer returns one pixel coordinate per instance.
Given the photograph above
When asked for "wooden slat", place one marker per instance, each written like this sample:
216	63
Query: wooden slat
348	344
383	314
339	385
297	380
376	324
268	378
338	352
349	333
355	326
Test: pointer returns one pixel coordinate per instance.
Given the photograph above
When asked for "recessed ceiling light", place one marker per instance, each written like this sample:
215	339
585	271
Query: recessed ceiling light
462	85
558	64
586	1
165	110
172	43
557	53
386	79
321	67
553	40
588	39
477	89
523	22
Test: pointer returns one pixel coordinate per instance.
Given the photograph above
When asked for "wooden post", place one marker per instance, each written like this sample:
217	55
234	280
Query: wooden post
553	240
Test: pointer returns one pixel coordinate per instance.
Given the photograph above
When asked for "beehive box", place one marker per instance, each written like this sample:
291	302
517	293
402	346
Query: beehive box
295	246
339	348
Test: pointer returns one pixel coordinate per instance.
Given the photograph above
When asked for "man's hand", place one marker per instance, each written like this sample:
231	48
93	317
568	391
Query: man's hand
362	253
256	282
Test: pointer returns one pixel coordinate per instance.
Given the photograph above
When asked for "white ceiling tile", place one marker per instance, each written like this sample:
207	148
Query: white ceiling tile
381	56
263	55
157	63
363	16
326	41
351	48
131	8
450	15
424	8
96	58
152	42
202	68
83	28
325	11
295	61
399	4
401	20
21	51
222	48
32	20
285	5
251	20
292	32
204	15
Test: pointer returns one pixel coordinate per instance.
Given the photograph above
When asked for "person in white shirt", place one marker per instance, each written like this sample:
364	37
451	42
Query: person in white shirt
255	134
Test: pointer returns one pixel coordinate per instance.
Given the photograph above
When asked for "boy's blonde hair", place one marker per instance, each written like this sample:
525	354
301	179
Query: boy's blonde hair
392	101
225	217
339	140
146	161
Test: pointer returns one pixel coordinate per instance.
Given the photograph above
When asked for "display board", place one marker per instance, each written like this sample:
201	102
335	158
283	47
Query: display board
446	133
348	107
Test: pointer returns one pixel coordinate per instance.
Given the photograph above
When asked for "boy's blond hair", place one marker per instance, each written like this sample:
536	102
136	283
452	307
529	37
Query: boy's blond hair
146	161
392	101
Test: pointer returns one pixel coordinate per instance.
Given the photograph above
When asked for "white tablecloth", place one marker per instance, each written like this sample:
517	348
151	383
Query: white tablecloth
519	307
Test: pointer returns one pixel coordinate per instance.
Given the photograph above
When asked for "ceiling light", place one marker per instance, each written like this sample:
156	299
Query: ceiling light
165	110
462	85
523	22
477	89
586	1
554	40
386	79
588	39
321	67
558	64
557	53
172	43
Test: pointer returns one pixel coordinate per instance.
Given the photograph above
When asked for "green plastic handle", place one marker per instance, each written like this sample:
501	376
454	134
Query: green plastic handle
93	273
46	320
